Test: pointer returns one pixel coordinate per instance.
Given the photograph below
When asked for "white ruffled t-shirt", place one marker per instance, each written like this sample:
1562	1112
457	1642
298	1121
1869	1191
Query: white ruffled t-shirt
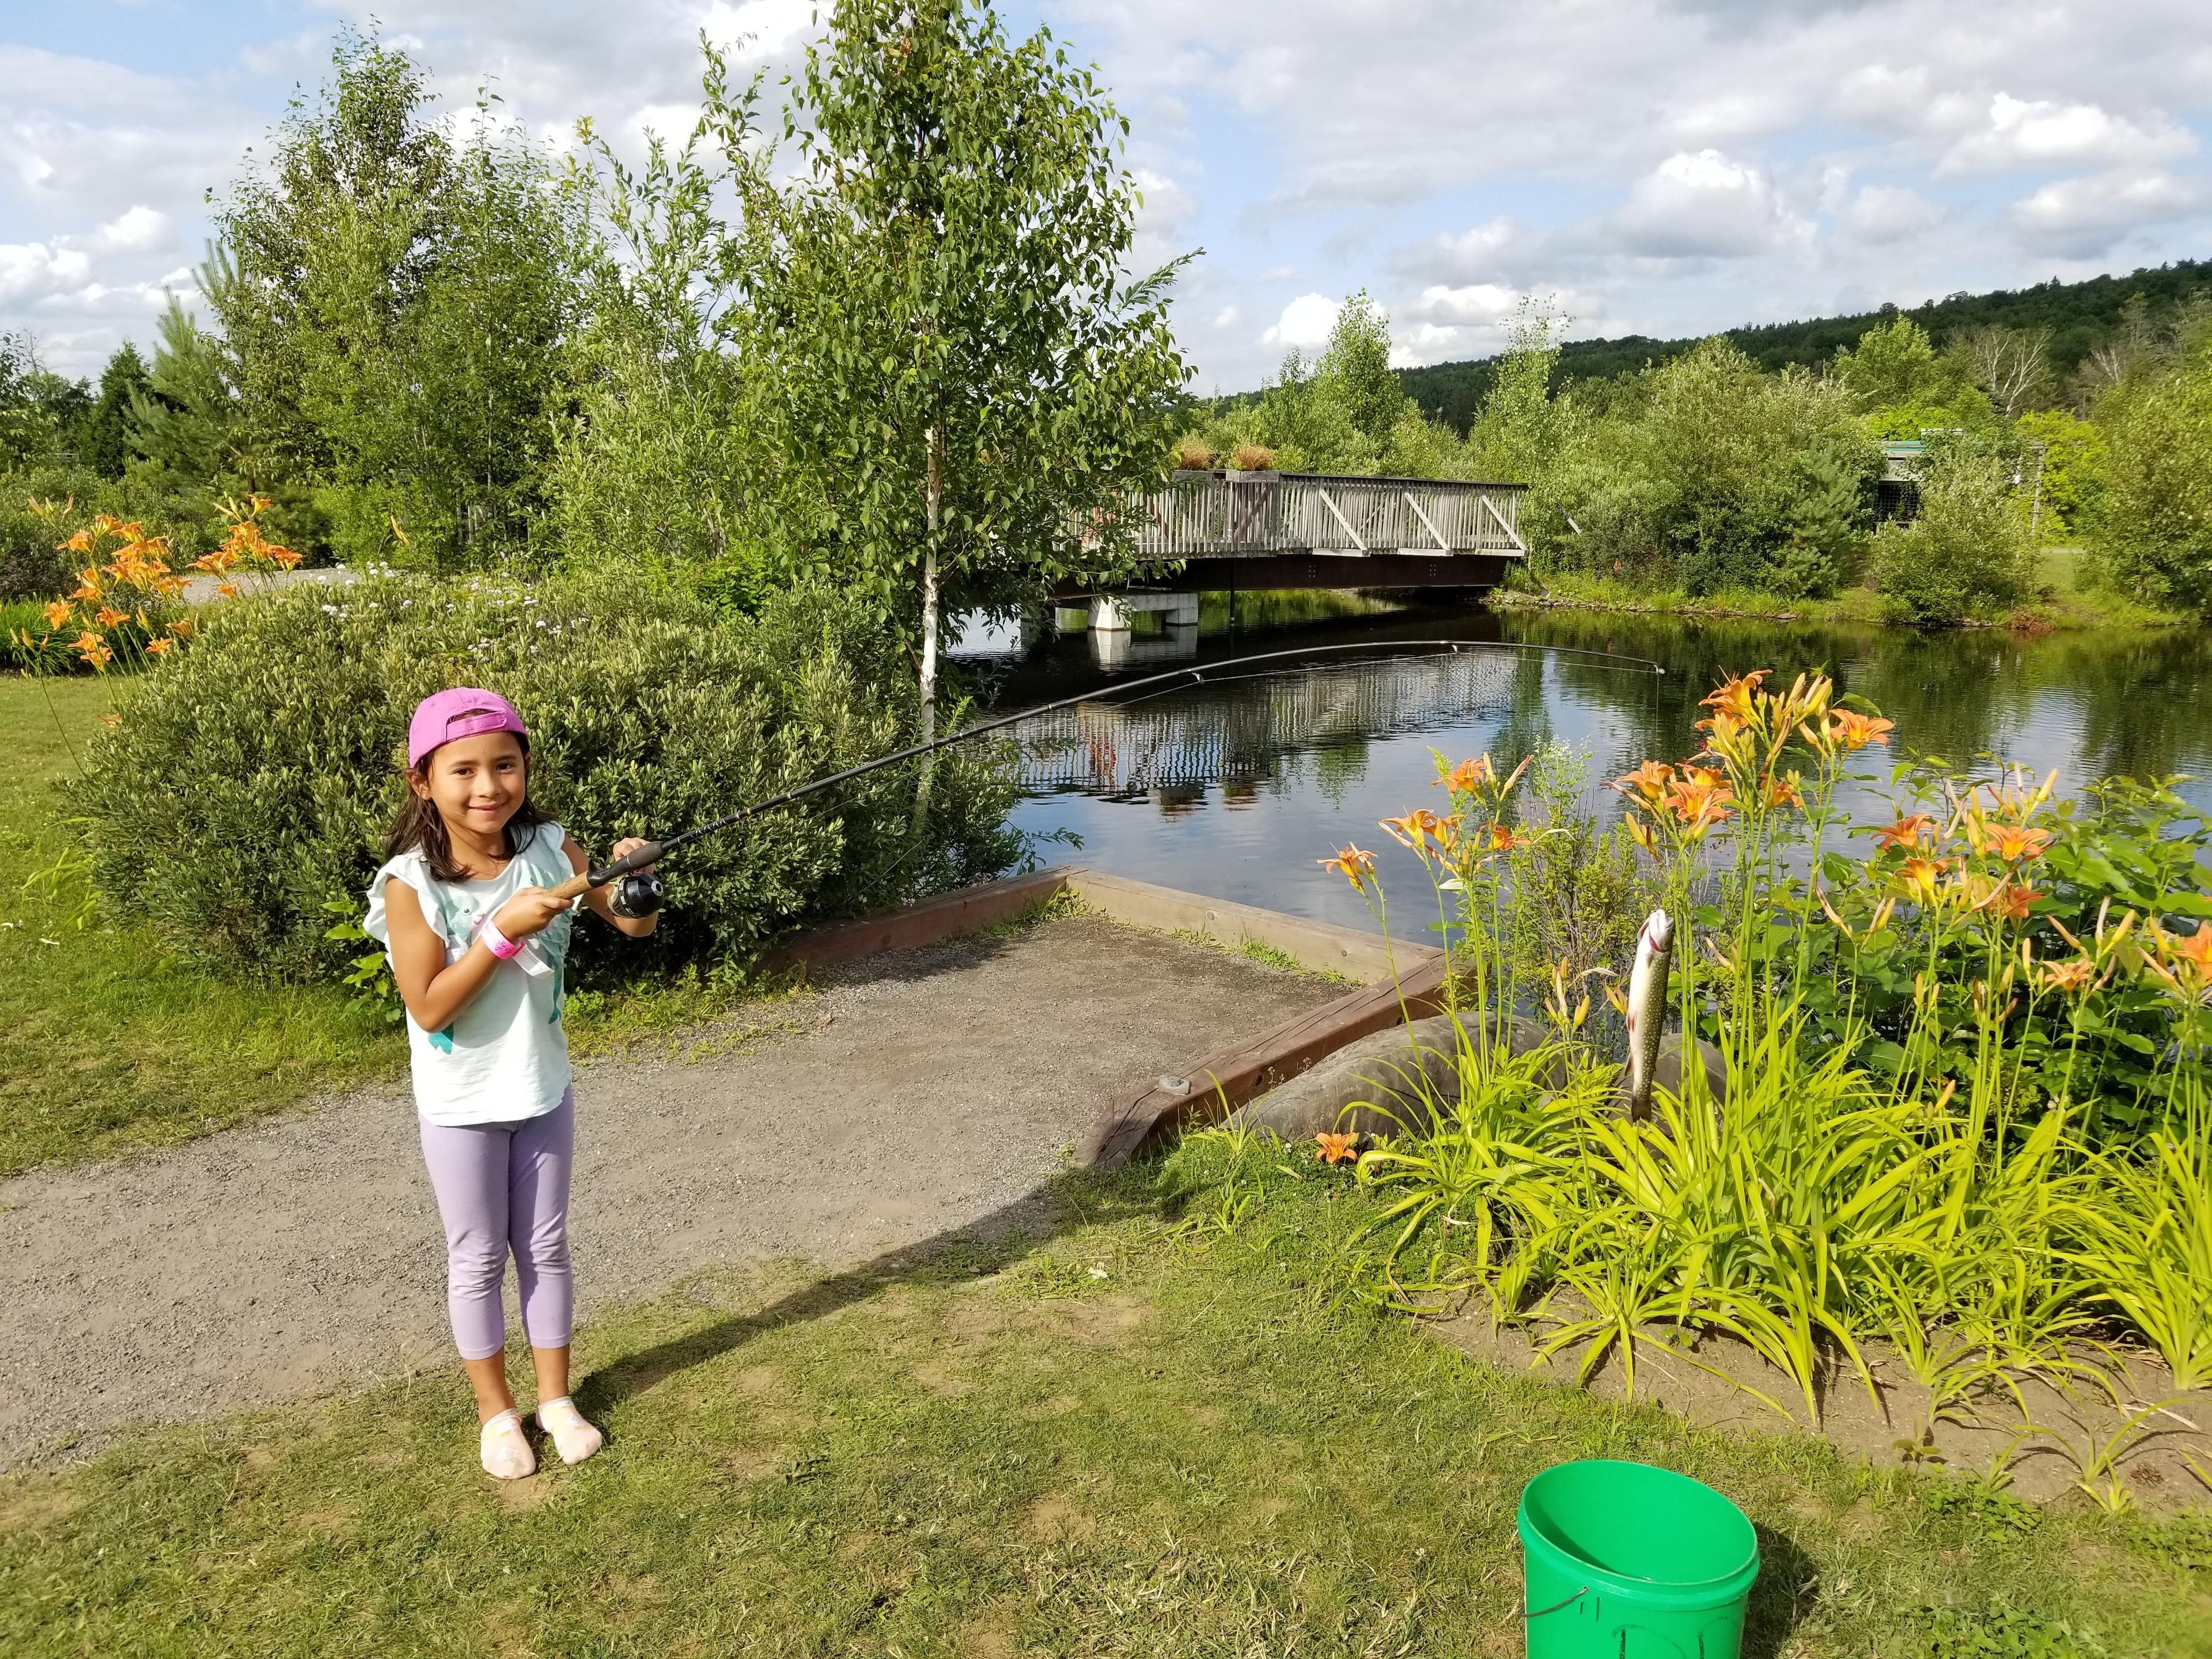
506	1055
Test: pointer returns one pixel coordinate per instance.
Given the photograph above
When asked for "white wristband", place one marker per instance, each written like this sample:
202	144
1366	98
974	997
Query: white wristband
496	942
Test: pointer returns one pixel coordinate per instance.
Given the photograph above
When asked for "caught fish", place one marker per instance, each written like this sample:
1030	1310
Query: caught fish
1647	1008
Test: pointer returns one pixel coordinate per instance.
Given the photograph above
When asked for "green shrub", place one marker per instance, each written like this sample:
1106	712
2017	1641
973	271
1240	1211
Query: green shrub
31	566
1968	550
249	783
1726	478
2157	527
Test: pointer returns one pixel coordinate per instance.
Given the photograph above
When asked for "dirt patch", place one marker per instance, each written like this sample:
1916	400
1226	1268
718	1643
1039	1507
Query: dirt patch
1054	1518
752	1462
988	1637
932	1105
1106	1321
519	1497
941	1379
2042	1439
44	1504
976	1320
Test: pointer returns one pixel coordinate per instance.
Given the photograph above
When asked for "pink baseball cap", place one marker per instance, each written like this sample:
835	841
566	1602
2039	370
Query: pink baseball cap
465	711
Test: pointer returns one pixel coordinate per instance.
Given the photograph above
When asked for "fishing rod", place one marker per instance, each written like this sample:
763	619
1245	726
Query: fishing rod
640	893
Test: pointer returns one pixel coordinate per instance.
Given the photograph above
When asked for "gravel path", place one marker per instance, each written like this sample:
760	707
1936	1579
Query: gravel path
276	1263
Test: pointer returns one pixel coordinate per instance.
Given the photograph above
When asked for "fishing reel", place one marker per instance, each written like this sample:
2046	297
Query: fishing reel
638	894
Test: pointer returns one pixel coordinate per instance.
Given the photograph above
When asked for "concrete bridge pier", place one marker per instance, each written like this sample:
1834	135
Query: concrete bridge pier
1110	612
1114	643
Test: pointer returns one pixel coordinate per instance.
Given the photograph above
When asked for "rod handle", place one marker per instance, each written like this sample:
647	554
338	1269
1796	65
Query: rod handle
636	859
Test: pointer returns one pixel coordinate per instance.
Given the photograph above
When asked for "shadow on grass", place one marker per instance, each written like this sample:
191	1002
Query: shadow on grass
991	1244
1787	1579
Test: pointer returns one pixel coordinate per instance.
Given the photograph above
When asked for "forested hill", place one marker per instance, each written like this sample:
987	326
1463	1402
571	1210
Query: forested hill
2080	316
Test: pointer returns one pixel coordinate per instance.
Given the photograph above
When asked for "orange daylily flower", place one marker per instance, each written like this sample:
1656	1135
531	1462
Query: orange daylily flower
108	616
2015	902
1469	775
1783	791
1701	797
1334	1149
2012	843
1738	697
58	613
2067	976
159	647
1918	877
1353	865
1853	731
1914	830
1415	829
2194	951
1651	780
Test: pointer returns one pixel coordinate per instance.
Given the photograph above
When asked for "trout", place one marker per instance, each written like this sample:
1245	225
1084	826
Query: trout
1647	1008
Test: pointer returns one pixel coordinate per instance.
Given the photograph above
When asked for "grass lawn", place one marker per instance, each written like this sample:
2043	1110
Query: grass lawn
1125	1439
105	1044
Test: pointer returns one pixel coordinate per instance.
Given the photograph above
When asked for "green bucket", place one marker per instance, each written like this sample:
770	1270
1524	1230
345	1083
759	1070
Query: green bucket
1625	1561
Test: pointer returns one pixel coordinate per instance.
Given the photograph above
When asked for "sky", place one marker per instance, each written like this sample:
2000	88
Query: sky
1654	166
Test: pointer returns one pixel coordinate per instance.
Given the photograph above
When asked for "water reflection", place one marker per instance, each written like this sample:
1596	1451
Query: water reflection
1298	767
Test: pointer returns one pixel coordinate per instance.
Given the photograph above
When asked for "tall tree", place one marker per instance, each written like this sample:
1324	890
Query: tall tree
184	422
1355	370
2013	365
396	311
958	371
103	437
37	408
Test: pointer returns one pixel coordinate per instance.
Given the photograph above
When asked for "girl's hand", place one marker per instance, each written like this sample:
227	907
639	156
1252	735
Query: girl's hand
601	899
528	912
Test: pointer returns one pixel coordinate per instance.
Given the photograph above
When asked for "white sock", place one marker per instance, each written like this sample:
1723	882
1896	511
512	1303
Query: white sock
506	1455
573	1438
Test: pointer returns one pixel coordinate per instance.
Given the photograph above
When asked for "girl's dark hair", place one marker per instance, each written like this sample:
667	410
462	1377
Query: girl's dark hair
420	825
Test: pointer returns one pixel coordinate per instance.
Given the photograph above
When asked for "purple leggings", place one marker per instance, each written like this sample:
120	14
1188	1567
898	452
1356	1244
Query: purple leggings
504	1187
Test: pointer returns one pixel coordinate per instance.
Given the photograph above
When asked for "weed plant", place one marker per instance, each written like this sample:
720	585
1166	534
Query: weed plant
1918	1139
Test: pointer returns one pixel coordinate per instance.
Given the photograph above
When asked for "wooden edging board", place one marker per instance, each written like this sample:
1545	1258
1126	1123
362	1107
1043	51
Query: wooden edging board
1211	1086
1215	1085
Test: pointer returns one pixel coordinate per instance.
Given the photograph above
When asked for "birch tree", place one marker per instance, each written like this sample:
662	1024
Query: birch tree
960	378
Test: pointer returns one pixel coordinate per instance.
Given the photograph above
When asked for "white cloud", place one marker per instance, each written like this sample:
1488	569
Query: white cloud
1478	302
2019	133
1702	205
33	270
758	28
1882	213
2081	218
1305	322
138	229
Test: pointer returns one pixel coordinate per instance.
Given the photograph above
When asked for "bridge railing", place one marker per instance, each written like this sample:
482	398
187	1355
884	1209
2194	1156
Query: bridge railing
1228	514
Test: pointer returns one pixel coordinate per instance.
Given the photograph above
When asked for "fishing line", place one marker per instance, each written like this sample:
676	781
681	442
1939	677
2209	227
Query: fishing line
641	895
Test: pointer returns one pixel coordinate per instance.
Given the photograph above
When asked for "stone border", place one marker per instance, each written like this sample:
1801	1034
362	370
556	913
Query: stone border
1213	1084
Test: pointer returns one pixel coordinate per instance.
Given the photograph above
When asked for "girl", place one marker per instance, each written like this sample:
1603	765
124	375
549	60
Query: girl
477	946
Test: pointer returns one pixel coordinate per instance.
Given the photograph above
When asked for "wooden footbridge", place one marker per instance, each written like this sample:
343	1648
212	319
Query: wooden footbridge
1274	530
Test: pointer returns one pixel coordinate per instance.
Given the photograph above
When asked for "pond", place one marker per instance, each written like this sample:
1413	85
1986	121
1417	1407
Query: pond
1236	789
